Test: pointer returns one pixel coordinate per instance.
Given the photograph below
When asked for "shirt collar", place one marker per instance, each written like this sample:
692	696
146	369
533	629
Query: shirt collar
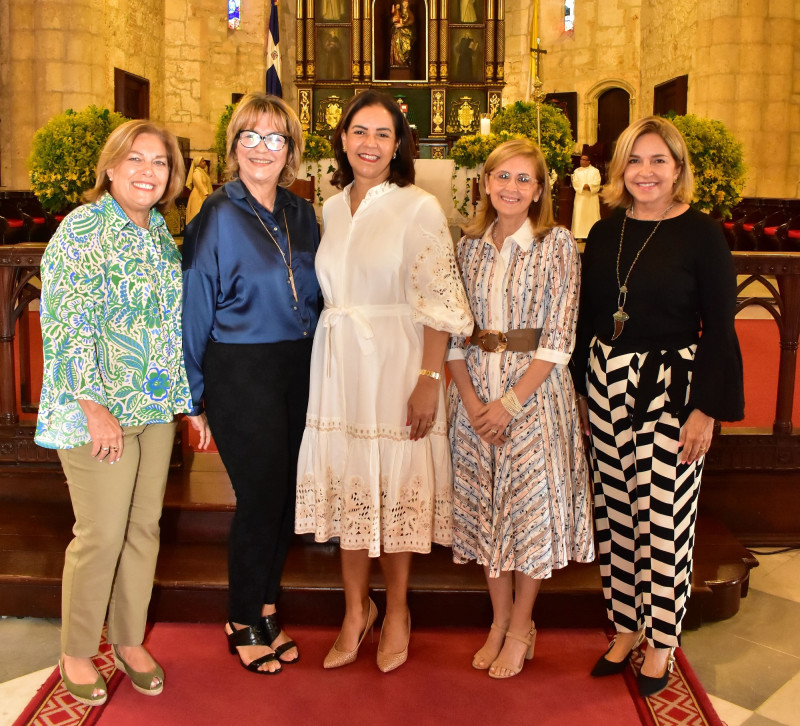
523	237
118	220
372	193
236	189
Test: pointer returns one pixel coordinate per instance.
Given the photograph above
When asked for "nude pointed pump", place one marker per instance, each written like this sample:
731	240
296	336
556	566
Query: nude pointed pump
390	661
337	658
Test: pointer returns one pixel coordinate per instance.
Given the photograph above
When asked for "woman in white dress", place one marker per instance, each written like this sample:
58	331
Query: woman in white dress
522	506
374	467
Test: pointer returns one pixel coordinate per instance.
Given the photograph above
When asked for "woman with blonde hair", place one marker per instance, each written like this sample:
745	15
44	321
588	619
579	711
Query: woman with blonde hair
521	507
656	275
250	310
113	383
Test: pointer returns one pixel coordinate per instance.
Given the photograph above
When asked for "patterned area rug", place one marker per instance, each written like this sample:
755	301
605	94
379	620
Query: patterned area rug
204	685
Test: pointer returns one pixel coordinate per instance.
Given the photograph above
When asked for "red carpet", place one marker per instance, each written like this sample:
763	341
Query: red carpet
437	686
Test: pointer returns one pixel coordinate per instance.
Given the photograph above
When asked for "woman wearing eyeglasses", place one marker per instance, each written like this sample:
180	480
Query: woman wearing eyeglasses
250	311
521	506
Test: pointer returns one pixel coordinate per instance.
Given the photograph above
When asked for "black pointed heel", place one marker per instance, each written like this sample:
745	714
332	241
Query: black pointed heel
650	686
272	629
251	635
605	667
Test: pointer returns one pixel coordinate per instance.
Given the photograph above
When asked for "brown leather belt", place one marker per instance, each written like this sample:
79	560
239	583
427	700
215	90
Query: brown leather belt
496	341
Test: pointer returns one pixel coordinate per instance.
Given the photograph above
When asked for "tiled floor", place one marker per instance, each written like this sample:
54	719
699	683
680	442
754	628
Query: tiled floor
750	664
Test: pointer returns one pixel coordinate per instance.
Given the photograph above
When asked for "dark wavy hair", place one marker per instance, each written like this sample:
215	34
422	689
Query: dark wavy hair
401	168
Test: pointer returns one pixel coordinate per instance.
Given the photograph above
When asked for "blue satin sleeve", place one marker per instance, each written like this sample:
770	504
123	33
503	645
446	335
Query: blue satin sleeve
236	285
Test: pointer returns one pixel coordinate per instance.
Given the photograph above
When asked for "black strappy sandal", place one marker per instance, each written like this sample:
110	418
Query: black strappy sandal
272	629
251	635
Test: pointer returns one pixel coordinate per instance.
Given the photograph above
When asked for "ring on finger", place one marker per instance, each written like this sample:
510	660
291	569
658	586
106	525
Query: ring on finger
115	448
105	448
493	431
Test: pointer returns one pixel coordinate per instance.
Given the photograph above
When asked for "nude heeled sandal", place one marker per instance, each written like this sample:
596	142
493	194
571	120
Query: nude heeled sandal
530	641
337	658
481	656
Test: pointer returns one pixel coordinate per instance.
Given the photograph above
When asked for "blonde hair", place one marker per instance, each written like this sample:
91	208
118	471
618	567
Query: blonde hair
246	114
539	212
117	147
615	193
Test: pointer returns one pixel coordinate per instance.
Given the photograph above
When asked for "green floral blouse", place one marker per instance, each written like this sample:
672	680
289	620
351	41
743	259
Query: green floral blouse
111	315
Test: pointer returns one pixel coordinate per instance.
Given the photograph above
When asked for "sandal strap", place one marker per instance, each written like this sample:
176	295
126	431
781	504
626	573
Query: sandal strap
254	665
495	626
520	638
251	635
272	628
281	649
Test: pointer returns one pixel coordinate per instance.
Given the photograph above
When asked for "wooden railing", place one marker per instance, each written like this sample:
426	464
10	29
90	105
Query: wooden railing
752	477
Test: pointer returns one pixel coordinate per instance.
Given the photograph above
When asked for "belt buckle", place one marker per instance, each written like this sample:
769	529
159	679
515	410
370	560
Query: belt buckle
493	341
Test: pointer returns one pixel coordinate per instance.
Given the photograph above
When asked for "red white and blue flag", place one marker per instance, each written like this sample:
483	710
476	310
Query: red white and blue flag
273	53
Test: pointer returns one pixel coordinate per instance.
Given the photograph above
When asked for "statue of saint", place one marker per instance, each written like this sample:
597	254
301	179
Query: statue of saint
403	35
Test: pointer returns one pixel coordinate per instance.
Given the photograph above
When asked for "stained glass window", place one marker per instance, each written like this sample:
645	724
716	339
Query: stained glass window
233	14
569	15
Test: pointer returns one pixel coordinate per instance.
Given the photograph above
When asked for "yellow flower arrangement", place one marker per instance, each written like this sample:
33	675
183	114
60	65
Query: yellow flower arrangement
64	155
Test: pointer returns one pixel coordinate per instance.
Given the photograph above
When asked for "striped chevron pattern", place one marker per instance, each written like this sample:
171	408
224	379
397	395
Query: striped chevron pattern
645	501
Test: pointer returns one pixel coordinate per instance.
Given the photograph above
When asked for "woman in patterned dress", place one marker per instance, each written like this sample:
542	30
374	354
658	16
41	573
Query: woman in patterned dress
522	505
374	467
113	382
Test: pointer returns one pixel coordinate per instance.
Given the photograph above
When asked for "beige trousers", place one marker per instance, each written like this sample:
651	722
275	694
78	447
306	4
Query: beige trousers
110	564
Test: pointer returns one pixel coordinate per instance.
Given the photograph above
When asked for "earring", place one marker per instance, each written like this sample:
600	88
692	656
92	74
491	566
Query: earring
394	156
110	178
675	180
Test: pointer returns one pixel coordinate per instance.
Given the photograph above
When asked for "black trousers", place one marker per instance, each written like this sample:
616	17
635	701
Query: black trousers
256	398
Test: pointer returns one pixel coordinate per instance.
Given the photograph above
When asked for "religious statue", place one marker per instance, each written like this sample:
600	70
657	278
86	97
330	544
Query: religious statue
403	35
465	54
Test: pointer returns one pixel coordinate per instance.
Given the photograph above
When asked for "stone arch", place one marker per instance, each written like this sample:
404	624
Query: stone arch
589	115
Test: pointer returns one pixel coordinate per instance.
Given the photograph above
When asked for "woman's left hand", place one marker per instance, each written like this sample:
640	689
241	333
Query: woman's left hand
696	436
422	405
491	423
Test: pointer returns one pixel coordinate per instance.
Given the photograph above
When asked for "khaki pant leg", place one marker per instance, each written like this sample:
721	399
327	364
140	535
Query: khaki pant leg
101	496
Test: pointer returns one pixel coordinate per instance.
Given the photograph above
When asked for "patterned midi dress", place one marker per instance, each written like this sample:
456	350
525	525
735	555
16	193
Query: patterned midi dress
525	505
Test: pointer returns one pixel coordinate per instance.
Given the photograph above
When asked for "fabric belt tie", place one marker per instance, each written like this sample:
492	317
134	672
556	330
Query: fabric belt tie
521	340
649	384
360	315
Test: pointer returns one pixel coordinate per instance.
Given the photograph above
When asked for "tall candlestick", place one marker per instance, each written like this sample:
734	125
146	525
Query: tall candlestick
486	126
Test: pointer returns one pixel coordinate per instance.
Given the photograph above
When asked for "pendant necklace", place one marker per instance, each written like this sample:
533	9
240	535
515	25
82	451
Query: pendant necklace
620	317
289	240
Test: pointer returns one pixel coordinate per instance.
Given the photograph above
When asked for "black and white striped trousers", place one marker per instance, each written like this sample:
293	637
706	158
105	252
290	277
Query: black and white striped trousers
645	500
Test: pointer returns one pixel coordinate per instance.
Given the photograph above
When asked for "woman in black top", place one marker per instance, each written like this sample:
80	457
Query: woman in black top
658	357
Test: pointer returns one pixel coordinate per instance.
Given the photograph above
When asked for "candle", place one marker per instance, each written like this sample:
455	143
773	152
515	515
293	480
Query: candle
485	126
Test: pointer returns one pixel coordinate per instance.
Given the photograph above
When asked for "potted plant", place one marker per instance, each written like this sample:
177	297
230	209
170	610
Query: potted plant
63	158
316	148
717	162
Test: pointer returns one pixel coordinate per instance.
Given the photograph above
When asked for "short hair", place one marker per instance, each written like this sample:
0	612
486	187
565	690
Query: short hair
539	212
401	167
117	146
245	116
615	193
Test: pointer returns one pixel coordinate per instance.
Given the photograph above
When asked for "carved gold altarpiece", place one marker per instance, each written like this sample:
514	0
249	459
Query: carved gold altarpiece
442	58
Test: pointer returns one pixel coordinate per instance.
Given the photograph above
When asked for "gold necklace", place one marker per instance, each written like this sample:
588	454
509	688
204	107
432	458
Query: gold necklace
289	241
620	317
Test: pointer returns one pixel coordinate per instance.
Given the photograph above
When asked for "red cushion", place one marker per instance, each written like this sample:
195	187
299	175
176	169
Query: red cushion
748	227
39	220
15	223
727	225
794	233
60	217
771	230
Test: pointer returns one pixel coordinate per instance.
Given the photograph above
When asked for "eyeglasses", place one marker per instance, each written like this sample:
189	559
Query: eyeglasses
523	180
273	141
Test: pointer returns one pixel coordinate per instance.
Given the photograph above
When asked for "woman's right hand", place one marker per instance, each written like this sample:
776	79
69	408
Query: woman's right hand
200	424
104	430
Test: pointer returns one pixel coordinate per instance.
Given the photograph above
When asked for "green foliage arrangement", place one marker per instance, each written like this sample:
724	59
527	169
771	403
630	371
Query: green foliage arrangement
557	142
220	140
717	161
315	149
64	155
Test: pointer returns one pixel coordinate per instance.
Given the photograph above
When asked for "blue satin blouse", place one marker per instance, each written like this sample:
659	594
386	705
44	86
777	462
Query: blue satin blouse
235	282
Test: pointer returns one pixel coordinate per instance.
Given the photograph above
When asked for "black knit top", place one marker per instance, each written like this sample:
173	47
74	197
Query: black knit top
682	290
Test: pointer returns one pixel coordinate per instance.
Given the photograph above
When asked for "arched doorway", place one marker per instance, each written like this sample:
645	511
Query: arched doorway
613	117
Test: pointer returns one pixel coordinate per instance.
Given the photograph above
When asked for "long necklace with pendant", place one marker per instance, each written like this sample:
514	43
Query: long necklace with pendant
289	240
621	317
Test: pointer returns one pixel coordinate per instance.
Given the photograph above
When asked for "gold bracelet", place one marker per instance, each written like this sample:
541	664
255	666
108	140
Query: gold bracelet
431	374
511	402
